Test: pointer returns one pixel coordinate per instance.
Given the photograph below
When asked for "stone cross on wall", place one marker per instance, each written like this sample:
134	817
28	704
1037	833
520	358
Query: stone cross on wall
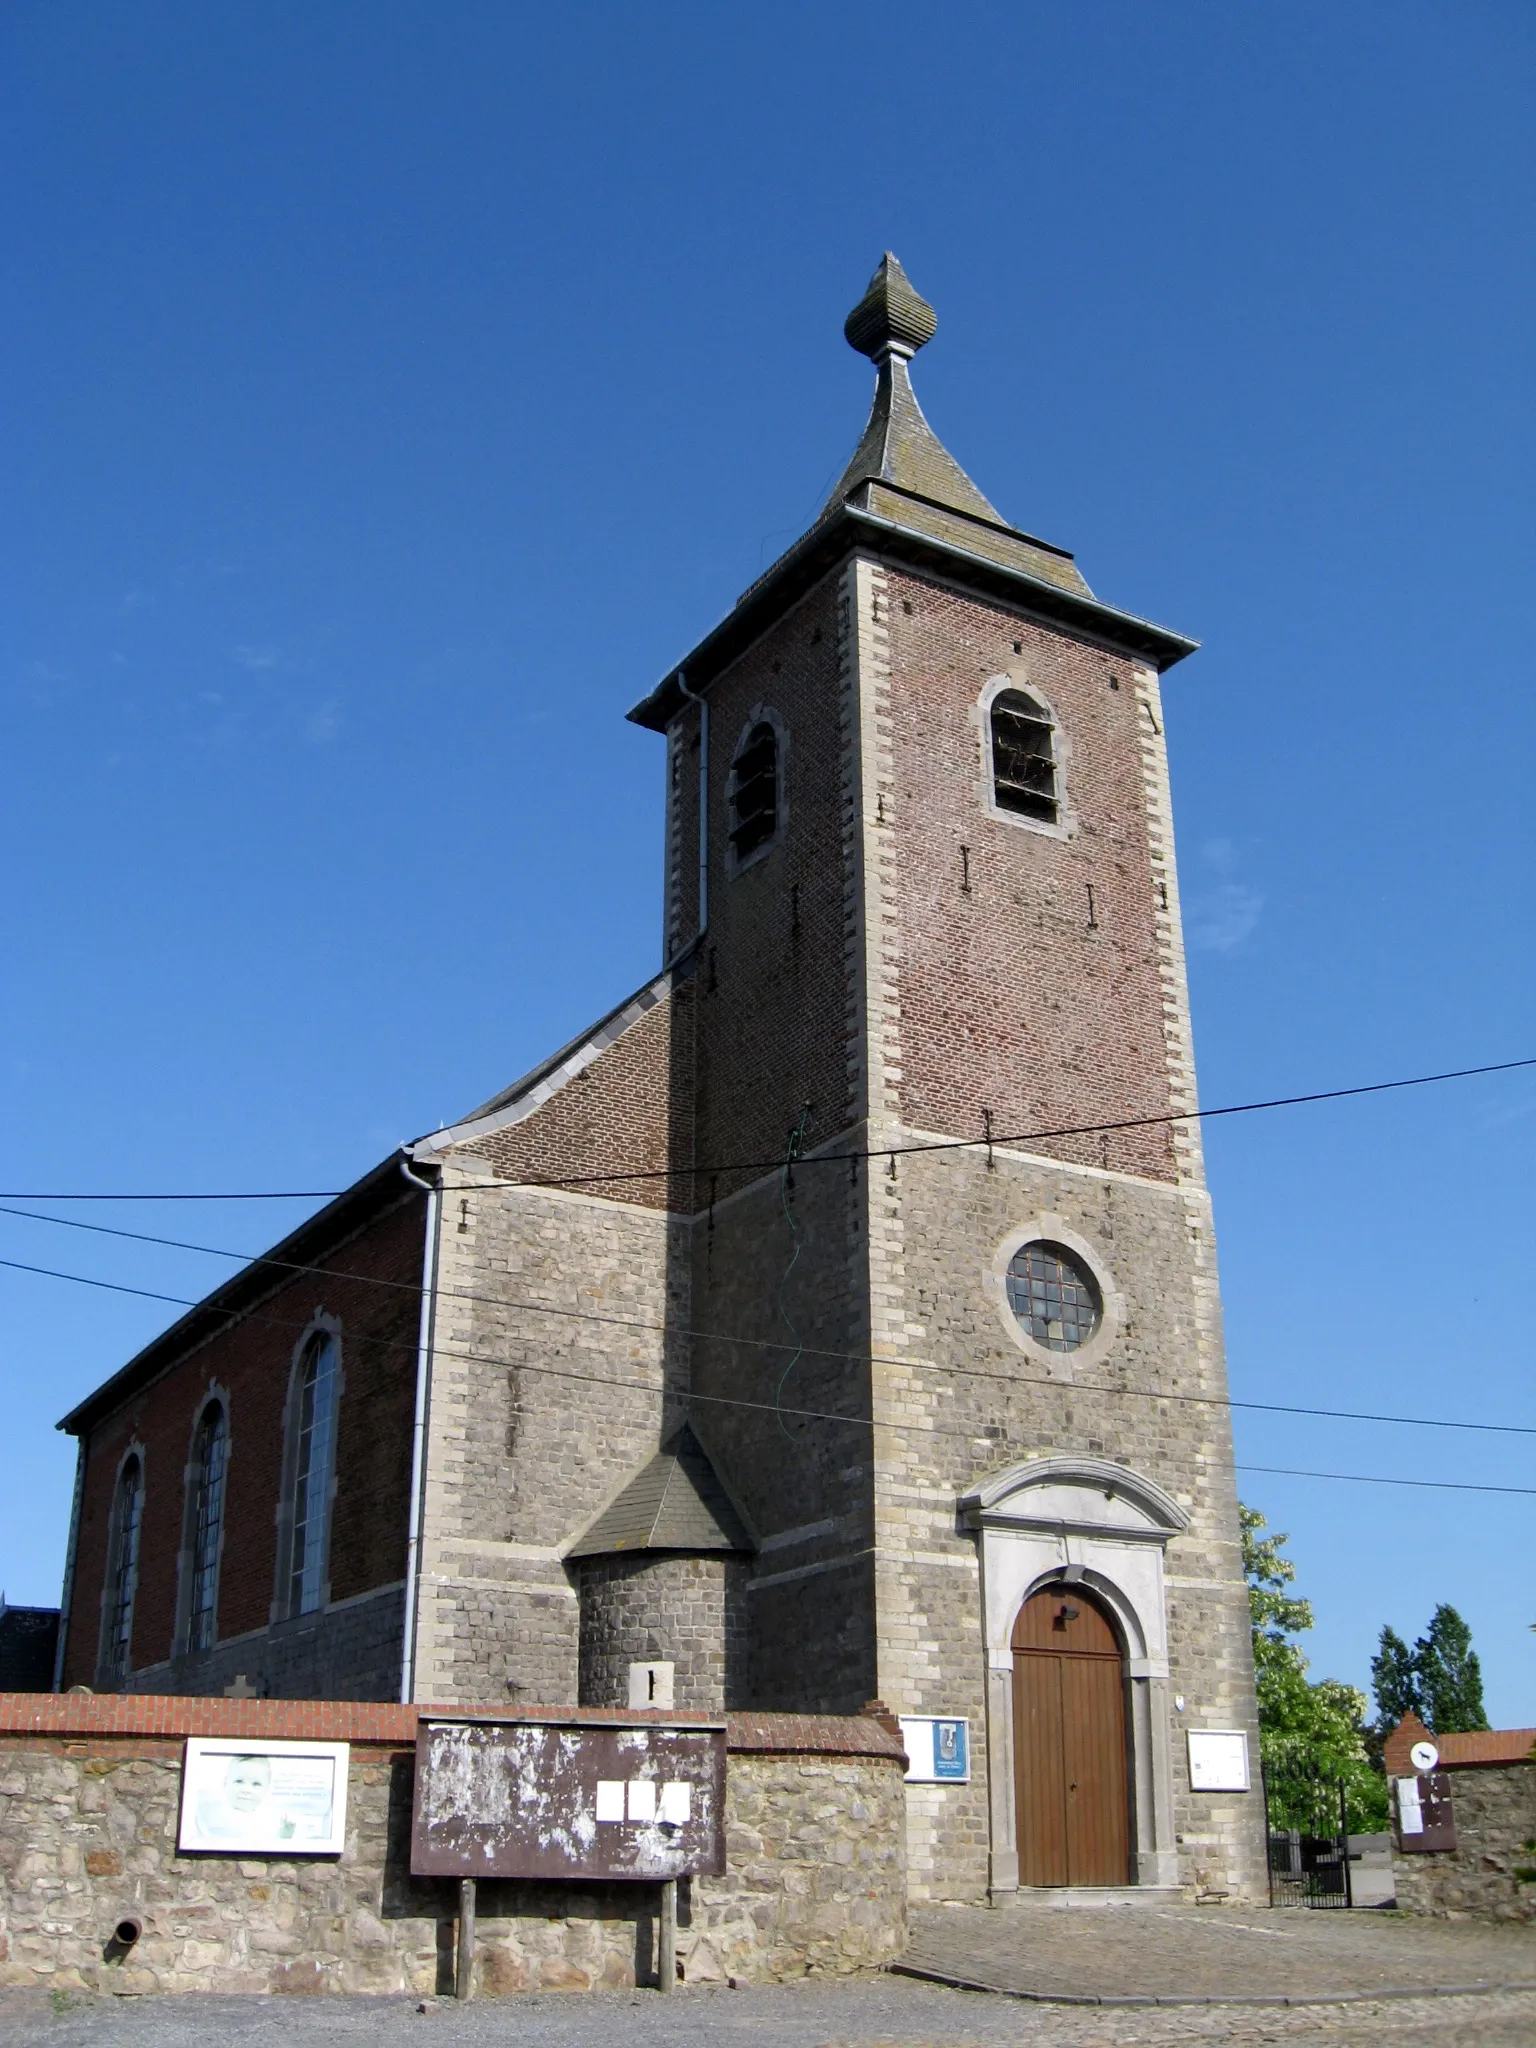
242	1689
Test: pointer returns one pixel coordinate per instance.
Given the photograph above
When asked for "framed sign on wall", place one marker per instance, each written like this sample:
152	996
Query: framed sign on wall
938	1748
263	1798
1218	1760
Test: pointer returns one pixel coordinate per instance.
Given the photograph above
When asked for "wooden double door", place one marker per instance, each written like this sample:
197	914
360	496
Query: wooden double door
1071	1781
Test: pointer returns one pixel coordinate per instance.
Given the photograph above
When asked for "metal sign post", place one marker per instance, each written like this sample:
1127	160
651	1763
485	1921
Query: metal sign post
666	1937
464	1974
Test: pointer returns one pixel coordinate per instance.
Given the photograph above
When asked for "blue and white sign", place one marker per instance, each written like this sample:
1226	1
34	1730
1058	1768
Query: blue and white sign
938	1749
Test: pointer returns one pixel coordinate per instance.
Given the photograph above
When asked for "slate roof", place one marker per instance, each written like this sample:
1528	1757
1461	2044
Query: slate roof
905	498
675	1502
930	492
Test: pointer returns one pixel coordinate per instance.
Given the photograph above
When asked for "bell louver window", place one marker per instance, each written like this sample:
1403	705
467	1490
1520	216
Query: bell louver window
1024	757
754	791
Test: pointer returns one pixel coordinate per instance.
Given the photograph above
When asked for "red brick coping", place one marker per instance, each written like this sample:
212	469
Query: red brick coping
167	1716
1458	1752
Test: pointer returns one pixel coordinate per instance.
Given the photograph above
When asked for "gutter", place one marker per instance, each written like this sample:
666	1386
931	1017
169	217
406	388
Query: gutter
67	1596
694	698
431	1239
827	543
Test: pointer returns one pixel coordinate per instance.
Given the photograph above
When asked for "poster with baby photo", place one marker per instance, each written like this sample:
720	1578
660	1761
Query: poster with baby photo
264	1798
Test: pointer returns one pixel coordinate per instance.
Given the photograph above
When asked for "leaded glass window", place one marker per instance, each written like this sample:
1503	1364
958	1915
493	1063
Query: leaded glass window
315	1442
127	1520
1053	1296
1024	757
210	1460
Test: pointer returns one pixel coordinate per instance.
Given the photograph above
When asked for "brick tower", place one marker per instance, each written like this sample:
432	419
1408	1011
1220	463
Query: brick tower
933	897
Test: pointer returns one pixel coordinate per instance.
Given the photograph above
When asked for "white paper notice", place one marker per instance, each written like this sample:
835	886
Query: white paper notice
676	1804
1410	1814
610	1799
642	1799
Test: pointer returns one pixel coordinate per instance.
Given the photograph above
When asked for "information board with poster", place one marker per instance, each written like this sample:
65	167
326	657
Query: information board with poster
1424	1819
551	1799
263	1798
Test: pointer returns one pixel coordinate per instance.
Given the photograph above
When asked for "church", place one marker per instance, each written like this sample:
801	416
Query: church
837	1319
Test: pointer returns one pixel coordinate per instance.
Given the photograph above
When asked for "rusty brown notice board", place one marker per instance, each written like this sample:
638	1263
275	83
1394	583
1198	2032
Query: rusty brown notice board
564	1799
1425	1818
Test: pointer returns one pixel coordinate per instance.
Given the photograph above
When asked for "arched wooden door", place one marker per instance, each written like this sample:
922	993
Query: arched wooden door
1070	1781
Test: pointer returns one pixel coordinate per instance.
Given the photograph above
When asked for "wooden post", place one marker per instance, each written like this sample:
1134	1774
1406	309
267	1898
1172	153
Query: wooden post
666	1937
464	1976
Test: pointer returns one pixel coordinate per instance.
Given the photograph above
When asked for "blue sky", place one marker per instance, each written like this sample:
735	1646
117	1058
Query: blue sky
390	392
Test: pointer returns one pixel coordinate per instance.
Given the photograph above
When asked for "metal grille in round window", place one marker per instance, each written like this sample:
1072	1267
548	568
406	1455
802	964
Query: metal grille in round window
1053	1296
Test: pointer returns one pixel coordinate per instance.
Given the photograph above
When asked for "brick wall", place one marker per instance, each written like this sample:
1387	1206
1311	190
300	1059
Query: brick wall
1016	997
371	1284
89	1795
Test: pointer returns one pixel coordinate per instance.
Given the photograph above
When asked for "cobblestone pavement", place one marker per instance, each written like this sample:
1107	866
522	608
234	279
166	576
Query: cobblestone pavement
879	2012
1211	1952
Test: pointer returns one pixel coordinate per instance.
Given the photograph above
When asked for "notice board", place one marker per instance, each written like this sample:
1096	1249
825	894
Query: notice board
563	1799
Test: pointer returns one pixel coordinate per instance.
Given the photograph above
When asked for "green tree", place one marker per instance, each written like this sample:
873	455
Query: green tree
1320	1722
1395	1680
1450	1677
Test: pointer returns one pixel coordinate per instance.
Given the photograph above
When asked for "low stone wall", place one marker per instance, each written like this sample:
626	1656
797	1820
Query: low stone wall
89	1794
1495	1810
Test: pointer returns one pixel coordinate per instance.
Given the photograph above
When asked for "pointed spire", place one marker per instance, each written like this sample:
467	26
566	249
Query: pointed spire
891	316
890	324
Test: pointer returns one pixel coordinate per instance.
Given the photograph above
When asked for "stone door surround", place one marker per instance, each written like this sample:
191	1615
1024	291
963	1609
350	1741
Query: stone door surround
1080	1521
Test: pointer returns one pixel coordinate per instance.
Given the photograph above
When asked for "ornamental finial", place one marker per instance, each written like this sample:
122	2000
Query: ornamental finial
891	318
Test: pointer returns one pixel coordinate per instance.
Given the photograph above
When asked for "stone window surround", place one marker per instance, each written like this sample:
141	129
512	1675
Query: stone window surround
760	714
1066	1520
105	1682
217	1395
1052	1229
280	1610
1018	678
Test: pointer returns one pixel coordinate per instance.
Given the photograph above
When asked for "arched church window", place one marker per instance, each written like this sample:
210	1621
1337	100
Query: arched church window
314	1445
210	1458
753	793
1054	1296
1024	767
122	1571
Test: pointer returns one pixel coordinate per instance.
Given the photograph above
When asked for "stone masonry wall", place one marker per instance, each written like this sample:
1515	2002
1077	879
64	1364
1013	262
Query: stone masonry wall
1495	1810
88	1837
686	1611
556	1374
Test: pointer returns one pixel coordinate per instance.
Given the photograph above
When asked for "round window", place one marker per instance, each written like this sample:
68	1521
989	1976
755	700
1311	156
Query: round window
1054	1296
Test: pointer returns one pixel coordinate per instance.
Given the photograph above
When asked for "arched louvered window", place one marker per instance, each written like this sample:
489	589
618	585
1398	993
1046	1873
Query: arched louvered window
314	1446
210	1458
754	791
1024	766
122	1571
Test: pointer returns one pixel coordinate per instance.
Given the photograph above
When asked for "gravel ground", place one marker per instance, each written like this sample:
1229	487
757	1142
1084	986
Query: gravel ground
883	2012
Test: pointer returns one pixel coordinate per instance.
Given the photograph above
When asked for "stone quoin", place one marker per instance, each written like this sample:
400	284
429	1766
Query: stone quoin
838	1318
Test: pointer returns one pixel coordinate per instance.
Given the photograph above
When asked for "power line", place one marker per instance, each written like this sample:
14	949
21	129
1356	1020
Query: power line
986	1142
821	1415
725	1337
1379	1479
840	1158
691	1396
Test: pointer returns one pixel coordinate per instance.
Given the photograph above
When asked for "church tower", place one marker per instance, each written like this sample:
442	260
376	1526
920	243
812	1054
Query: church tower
939	1033
837	1320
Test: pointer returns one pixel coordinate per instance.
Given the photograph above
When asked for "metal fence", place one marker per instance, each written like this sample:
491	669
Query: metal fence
1305	1821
